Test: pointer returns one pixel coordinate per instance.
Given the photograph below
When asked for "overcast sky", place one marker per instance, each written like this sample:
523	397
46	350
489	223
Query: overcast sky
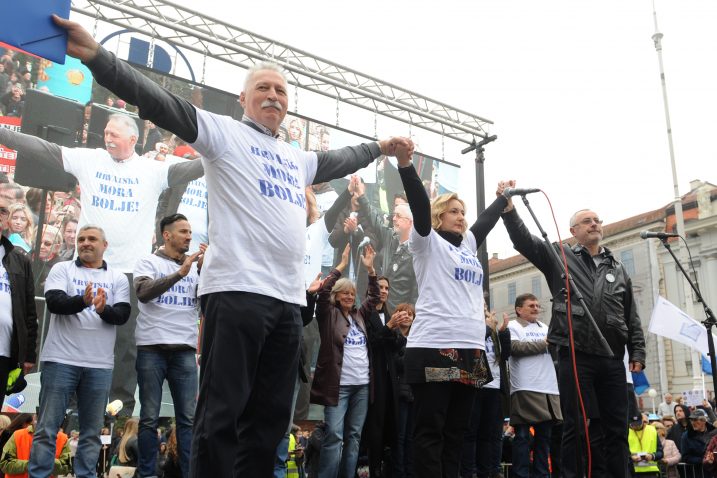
572	86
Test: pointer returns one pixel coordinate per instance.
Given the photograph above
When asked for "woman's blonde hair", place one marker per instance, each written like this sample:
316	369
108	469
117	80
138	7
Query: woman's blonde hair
440	205
342	285
130	430
29	233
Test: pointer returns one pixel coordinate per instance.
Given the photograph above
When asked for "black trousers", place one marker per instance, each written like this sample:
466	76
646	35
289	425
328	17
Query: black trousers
604	391
442	413
483	443
250	353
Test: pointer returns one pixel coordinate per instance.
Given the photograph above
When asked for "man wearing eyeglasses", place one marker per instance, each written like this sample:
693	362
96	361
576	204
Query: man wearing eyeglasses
608	294
18	319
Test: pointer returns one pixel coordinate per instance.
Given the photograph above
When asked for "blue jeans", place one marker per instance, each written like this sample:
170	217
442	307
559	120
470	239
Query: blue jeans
58	383
344	422
180	370
541	450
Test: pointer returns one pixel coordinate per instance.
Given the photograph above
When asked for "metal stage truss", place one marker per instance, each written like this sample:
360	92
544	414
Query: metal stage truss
230	44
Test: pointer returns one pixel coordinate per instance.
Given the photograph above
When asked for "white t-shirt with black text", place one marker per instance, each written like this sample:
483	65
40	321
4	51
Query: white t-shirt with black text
120	197
84	339
172	317
258	209
449	310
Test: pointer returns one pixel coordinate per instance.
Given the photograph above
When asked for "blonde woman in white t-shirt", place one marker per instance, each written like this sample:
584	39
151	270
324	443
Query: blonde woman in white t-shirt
444	360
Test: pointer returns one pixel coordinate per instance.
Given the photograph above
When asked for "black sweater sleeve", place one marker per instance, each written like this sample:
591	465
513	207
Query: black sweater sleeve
487	219
307	312
58	302
156	104
417	200
117	314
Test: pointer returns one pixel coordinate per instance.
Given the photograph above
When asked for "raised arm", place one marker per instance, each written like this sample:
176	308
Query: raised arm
164	109
340	162
35	151
532	247
184	172
487	219
415	192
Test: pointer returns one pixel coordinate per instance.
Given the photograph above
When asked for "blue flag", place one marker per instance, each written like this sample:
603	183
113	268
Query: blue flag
639	381
706	365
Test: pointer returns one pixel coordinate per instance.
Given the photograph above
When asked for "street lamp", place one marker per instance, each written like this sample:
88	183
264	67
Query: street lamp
652	393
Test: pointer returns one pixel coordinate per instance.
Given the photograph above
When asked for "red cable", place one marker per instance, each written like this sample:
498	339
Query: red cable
572	340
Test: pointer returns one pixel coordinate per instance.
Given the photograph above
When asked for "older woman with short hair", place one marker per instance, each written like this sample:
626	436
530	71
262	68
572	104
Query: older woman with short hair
343	377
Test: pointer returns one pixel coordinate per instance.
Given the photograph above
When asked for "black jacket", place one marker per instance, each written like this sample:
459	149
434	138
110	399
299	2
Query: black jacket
22	292
396	263
608	294
386	344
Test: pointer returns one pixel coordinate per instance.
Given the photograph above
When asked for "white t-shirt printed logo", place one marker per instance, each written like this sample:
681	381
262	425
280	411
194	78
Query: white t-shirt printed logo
115	193
196	194
470	269
355	338
4	282
283	182
80	285
181	294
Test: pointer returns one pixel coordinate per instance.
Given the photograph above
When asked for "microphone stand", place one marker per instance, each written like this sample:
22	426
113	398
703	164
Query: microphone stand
591	321
479	148
709	321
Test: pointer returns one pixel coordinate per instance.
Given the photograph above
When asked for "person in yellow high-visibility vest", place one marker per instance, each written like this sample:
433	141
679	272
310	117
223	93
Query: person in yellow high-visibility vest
645	448
292	470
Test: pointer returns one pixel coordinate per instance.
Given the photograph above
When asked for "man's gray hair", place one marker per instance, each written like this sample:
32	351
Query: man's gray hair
404	210
263	65
128	122
575	216
96	228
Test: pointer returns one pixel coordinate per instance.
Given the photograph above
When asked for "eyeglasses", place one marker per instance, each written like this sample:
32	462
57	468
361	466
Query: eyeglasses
4	211
47	243
589	220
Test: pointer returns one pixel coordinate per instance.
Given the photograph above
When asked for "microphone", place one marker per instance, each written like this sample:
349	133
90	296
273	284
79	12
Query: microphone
510	192
657	235
364	242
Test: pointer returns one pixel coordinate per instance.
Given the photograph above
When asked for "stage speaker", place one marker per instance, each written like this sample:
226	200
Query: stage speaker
55	119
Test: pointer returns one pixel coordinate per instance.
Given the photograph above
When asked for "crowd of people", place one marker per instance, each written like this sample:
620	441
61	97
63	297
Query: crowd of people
413	371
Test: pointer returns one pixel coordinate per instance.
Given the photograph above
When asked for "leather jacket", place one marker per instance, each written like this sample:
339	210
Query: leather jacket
333	329
607	290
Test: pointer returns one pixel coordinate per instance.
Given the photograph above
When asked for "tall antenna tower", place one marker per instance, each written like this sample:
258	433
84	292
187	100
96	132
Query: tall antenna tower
677	201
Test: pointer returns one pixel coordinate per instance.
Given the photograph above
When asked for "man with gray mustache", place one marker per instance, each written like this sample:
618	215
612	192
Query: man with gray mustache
251	286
